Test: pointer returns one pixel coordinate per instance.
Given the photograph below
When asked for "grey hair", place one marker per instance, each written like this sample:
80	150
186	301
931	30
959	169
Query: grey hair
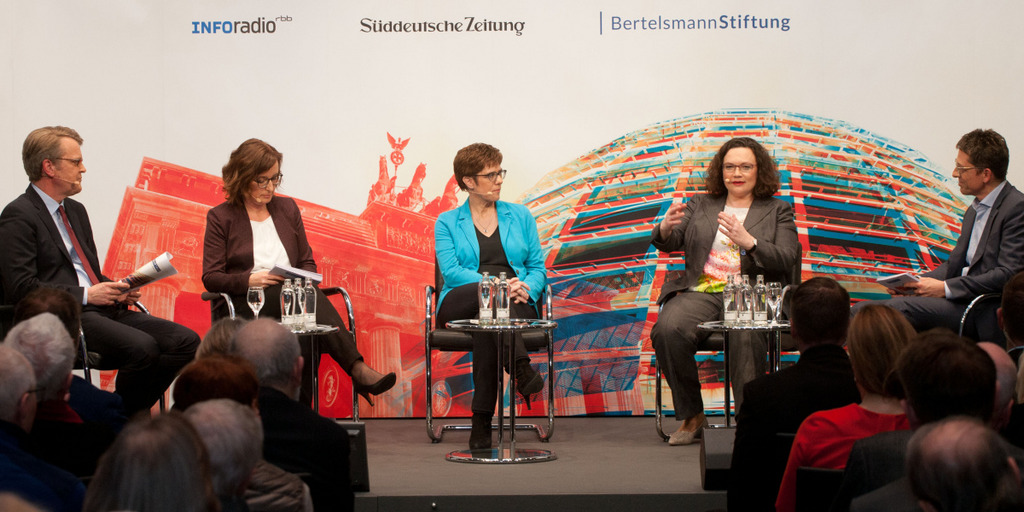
16	378
44	341
233	435
271	349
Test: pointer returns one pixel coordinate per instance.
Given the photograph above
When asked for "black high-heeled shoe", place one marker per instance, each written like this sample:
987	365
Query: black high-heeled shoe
528	381
383	384
480	435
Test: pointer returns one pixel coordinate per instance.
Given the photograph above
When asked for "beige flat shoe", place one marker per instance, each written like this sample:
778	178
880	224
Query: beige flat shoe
685	437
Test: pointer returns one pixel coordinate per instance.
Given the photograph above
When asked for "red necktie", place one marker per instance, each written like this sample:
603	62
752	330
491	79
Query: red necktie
78	246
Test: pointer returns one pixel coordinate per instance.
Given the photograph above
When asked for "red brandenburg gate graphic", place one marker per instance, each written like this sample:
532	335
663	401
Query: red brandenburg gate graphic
383	257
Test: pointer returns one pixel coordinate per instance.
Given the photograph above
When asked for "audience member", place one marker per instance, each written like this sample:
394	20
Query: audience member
156	464
1006	385
821	379
990	249
875	339
958	464
233	438
295	438
220	338
1011	317
59	435
21	473
940	375
270	488
91	403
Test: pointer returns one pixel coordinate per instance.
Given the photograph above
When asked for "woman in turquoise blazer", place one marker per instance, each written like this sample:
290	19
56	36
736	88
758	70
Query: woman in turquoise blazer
488	235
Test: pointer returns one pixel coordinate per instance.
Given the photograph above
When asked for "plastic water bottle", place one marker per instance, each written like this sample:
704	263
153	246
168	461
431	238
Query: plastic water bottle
299	309
501	315
729	316
310	296
760	301
744	299
287	301
485	292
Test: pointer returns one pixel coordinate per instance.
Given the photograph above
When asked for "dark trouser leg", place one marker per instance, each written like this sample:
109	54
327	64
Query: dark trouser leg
675	339
461	303
923	313
147	351
748	360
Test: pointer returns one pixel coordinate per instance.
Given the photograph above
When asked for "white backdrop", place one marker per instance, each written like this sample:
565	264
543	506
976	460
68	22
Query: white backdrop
135	80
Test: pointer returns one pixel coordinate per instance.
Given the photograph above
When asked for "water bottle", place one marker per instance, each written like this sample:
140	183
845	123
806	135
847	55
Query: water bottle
501	315
299	309
287	299
760	301
310	296
729	301
485	291
744	299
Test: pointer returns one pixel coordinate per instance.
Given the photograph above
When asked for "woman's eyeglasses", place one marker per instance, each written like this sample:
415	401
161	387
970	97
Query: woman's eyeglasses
262	181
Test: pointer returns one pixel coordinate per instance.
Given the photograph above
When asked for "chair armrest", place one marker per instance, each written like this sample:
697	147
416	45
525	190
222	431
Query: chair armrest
208	296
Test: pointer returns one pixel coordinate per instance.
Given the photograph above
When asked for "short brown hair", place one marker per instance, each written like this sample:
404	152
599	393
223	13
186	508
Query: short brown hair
472	159
875	339
44	144
252	158
767	174
216	377
987	150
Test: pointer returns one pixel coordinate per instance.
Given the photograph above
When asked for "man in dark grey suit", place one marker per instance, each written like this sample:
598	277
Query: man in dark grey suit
990	249
777	403
49	243
295	438
940	375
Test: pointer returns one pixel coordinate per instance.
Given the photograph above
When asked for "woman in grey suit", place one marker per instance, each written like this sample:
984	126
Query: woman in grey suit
737	227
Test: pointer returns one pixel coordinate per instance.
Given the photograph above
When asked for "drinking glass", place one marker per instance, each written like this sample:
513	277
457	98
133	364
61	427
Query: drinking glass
255	298
774	300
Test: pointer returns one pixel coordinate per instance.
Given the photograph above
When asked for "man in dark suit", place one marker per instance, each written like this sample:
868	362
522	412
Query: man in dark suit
49	243
940	375
295	438
990	249
778	403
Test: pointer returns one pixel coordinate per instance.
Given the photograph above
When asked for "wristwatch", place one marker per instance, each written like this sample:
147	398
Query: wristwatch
753	247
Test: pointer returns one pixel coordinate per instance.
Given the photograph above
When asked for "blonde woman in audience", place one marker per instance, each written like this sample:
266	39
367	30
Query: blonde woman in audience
875	339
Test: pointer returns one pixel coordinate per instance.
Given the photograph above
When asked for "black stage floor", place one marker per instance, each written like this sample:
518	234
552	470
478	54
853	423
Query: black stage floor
604	463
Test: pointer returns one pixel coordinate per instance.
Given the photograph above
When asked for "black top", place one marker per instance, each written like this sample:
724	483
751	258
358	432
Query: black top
492	254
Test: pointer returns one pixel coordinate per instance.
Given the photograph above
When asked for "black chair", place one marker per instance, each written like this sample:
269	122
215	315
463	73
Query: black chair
716	343
315	348
447	340
982	309
816	488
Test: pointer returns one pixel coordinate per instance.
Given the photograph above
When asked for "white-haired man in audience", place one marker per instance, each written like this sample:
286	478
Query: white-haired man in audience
234	440
31	478
60	436
296	439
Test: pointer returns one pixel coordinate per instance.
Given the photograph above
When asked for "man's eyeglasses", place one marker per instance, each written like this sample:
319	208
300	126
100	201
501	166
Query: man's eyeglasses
493	176
745	168
77	162
262	181
957	168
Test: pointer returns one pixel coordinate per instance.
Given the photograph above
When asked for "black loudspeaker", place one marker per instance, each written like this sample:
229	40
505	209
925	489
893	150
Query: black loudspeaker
716	457
359	468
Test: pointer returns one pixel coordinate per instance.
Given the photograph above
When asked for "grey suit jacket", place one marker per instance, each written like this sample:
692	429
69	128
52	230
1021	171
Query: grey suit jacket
999	256
769	220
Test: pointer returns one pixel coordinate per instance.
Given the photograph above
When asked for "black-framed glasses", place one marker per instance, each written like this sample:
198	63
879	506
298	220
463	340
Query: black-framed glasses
261	181
36	391
493	176
77	162
745	168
